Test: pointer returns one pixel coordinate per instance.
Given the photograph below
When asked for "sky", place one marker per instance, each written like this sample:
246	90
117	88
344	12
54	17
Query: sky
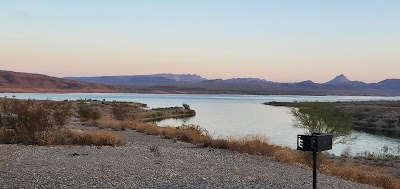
281	40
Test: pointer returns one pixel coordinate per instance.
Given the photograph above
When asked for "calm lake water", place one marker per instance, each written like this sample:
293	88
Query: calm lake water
240	115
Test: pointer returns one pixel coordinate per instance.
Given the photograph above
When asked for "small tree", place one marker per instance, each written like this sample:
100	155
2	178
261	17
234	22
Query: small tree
321	118
186	106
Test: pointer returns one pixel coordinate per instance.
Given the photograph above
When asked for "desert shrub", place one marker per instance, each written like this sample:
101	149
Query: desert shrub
22	119
32	122
120	111
62	112
88	113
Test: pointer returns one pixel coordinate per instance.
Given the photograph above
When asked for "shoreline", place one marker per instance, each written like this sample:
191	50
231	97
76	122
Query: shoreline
380	117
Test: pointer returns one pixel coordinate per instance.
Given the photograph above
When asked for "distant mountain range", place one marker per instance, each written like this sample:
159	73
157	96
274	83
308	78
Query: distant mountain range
190	83
141	80
27	82
181	83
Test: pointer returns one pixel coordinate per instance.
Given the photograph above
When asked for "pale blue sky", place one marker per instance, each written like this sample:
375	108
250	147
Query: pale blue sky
276	40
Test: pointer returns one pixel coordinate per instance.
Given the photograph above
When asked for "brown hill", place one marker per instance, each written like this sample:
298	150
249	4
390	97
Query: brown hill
28	82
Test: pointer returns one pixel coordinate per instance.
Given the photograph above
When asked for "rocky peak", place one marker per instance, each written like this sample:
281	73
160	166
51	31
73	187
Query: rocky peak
340	79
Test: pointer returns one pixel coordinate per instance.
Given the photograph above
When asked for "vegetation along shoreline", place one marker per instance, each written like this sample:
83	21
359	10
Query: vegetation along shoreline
375	117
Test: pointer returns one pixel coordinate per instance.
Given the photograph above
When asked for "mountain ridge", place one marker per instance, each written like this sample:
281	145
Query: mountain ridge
191	83
338	80
340	85
30	82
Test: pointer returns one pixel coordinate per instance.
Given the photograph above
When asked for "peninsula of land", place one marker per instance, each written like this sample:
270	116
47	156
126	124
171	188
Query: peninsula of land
377	117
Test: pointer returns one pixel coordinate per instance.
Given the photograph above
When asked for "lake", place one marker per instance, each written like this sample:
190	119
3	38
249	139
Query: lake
240	115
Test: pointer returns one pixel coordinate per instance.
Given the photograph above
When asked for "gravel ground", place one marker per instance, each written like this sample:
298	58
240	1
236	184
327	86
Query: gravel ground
149	162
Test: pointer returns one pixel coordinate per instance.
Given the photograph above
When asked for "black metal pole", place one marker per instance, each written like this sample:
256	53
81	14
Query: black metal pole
314	170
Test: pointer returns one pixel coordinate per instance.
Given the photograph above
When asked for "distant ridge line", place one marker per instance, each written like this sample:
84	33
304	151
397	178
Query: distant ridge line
191	83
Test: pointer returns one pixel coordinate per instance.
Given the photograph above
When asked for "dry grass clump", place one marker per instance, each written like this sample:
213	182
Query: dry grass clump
258	145
3	135
112	124
287	155
79	137
95	137
187	133
252	144
361	174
